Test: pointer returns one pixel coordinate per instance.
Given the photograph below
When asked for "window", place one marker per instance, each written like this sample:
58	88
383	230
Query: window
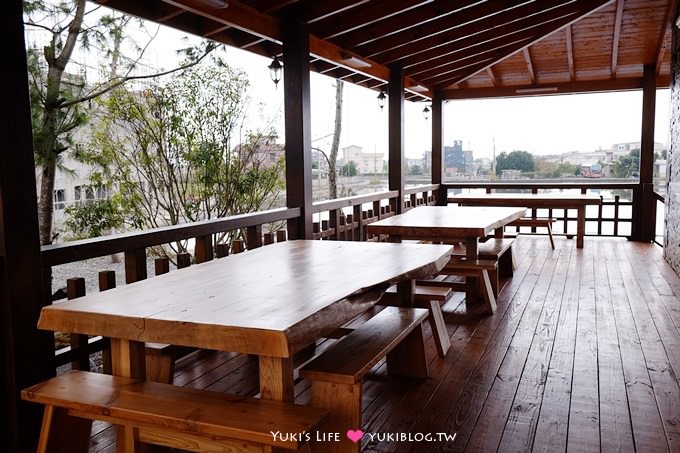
59	199
76	193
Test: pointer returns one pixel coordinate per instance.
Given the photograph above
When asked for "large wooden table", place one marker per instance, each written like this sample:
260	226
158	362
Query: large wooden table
271	302
449	223
530	200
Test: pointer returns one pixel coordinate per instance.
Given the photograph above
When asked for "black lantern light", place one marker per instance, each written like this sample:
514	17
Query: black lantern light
382	97
275	70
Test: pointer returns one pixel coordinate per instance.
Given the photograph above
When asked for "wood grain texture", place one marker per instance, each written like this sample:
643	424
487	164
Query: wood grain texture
301	293
175	410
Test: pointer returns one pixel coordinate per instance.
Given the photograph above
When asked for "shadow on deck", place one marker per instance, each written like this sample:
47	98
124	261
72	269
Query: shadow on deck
582	355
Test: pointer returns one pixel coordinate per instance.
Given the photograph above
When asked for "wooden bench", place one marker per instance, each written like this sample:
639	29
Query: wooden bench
533	222
337	373
428	294
167	415
480	269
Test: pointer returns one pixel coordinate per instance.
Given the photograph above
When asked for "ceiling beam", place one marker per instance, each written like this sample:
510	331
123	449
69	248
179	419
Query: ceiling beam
362	16
669	21
492	76
530	65
318	11
437	32
616	37
570	53
582	9
405	20
620	84
245	18
235	14
475	24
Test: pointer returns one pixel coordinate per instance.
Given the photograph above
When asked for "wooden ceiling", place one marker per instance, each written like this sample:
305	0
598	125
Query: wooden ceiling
465	48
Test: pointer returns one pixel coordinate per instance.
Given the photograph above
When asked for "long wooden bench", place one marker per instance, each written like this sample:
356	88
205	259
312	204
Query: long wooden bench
337	373
545	222
168	415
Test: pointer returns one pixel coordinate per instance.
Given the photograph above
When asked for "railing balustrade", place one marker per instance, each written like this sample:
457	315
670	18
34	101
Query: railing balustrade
339	219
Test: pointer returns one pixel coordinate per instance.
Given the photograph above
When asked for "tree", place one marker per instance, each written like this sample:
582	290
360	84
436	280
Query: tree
626	165
171	151
516	160
59	100
332	174
350	169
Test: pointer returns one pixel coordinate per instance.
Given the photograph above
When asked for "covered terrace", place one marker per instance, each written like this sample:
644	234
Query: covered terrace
593	375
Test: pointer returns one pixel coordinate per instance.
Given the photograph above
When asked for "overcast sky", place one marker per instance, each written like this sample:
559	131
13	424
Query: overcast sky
540	125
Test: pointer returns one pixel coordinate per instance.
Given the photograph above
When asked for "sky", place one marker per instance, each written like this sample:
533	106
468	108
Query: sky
541	125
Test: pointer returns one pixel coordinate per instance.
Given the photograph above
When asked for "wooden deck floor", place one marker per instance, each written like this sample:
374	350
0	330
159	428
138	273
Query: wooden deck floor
582	355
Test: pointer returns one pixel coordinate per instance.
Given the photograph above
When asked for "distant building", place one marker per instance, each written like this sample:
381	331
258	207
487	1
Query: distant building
366	163
457	161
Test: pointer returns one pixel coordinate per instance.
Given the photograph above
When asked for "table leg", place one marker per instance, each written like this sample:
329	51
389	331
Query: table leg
128	359
471	283
276	378
580	226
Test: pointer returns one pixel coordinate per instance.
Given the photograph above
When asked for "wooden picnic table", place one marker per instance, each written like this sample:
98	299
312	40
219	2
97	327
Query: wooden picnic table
272	302
532	201
449	223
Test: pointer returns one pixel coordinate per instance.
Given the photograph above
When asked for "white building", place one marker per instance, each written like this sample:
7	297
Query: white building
366	163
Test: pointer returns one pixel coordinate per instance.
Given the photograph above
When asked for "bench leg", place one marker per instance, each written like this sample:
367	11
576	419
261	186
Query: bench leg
438	326
488	293
506	264
160	367
63	433
343	402
408	357
550	236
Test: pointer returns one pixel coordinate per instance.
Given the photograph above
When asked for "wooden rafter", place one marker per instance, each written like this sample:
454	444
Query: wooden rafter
416	18
317	11
616	37
470	32
530	65
551	89
581	8
570	53
362	16
669	19
434	33
492	76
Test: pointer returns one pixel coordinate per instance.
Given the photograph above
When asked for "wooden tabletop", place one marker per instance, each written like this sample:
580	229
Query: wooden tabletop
439	222
270	301
530	200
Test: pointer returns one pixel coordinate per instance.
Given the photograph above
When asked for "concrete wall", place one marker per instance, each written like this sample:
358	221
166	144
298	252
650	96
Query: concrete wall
672	202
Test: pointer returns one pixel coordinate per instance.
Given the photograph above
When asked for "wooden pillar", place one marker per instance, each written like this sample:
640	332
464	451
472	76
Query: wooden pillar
644	203
297	110
396	133
438	144
26	354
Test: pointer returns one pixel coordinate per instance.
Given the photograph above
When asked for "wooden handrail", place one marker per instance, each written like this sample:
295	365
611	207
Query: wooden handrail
339	203
68	252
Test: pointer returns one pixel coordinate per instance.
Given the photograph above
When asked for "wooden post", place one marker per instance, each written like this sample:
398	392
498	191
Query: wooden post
135	265
204	249
644	203
396	133
80	358
297	110
107	281
26	353
438	145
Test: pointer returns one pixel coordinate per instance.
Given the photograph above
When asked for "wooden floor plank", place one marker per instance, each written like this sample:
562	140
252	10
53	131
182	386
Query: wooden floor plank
648	431
616	432
520	428
551	431
583	354
584	413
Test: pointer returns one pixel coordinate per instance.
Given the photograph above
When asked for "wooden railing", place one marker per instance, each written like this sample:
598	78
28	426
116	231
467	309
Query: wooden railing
613	217
341	219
